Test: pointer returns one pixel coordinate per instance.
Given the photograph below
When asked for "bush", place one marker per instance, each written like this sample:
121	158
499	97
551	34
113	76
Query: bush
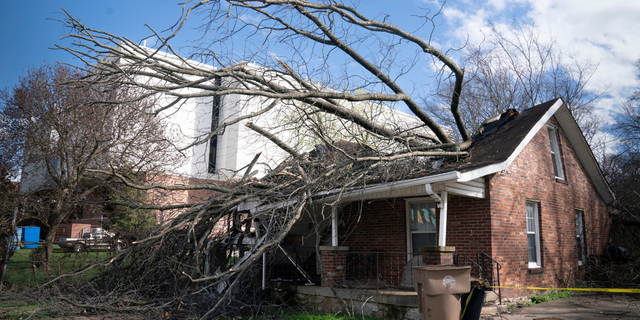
551	296
38	256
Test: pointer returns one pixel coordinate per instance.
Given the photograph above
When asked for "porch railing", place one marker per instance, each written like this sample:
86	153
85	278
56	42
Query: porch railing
379	270
460	259
491	269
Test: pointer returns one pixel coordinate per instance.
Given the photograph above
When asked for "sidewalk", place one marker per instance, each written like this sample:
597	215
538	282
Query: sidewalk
581	306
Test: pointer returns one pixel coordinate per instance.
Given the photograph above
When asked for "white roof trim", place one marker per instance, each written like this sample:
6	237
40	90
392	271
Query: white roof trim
447	176
481	172
583	152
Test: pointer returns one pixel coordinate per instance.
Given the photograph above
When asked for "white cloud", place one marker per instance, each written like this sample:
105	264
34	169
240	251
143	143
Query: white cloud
604	32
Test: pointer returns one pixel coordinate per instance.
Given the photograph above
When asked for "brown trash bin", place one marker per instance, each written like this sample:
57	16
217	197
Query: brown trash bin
439	289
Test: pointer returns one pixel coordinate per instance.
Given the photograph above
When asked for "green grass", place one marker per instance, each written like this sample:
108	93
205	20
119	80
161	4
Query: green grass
550	296
14	309
20	271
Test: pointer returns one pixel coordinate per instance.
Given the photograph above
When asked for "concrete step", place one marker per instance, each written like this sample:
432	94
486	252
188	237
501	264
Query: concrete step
494	309
490	297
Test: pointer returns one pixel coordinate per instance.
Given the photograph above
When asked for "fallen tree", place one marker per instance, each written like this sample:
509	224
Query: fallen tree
333	127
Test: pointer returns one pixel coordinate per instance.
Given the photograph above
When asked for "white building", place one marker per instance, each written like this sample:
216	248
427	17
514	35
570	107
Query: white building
227	154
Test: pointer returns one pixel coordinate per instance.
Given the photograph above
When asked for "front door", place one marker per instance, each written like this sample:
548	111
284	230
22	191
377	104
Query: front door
422	224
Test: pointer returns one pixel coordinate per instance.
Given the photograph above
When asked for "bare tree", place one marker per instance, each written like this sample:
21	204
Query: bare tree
621	166
323	70
60	133
517	69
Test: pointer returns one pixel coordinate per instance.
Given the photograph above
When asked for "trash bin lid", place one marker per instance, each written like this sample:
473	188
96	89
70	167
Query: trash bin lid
437	280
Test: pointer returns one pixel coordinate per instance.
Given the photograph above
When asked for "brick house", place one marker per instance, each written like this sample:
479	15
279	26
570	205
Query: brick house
531	196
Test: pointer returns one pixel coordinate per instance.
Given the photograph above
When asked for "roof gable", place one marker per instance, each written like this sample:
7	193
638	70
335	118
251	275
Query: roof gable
498	151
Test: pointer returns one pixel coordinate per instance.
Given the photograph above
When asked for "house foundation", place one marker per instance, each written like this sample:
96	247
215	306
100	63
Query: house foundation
385	304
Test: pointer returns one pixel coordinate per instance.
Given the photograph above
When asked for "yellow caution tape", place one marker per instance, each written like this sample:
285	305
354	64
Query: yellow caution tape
575	289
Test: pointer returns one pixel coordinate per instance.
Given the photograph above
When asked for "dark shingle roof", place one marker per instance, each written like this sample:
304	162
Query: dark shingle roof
497	147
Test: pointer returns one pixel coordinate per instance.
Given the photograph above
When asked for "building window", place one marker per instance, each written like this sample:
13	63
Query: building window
215	116
582	249
555	152
533	235
421	223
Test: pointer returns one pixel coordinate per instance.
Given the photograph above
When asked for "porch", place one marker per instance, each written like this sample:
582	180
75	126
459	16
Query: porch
376	283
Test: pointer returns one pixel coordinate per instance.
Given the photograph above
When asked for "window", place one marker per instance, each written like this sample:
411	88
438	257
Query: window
582	249
213	143
421	222
533	235
555	153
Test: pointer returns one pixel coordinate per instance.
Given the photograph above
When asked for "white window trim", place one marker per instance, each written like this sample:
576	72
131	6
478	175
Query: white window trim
538	264
555	150
582	240
408	203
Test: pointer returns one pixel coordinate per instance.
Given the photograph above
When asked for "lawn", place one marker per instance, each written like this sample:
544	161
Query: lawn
14	309
22	272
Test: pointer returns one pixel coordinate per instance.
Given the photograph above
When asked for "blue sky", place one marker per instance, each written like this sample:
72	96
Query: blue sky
606	32
29	28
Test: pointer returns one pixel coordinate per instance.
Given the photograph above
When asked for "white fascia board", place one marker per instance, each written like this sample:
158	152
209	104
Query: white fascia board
481	172
585	155
447	176
464	192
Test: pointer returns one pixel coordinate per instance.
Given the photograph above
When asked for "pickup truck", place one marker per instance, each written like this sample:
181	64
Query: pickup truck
91	240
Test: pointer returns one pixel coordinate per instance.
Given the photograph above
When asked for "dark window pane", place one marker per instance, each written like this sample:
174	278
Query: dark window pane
422	240
531	239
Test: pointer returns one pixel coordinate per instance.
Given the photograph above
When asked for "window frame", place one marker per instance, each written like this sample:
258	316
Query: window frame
216	105
536	232
580	234
408	202
556	157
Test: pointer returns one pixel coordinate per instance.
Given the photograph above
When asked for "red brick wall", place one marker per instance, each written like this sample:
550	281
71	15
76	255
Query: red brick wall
379	224
531	177
160	197
469	224
497	224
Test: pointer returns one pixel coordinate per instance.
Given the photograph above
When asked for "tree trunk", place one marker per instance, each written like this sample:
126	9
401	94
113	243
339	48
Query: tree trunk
55	219
48	245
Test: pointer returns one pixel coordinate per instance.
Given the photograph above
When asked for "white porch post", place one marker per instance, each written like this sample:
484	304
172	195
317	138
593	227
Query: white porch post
442	234
334	227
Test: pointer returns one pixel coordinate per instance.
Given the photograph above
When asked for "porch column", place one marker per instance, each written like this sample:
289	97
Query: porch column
334	227
442	234
435	256
334	263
